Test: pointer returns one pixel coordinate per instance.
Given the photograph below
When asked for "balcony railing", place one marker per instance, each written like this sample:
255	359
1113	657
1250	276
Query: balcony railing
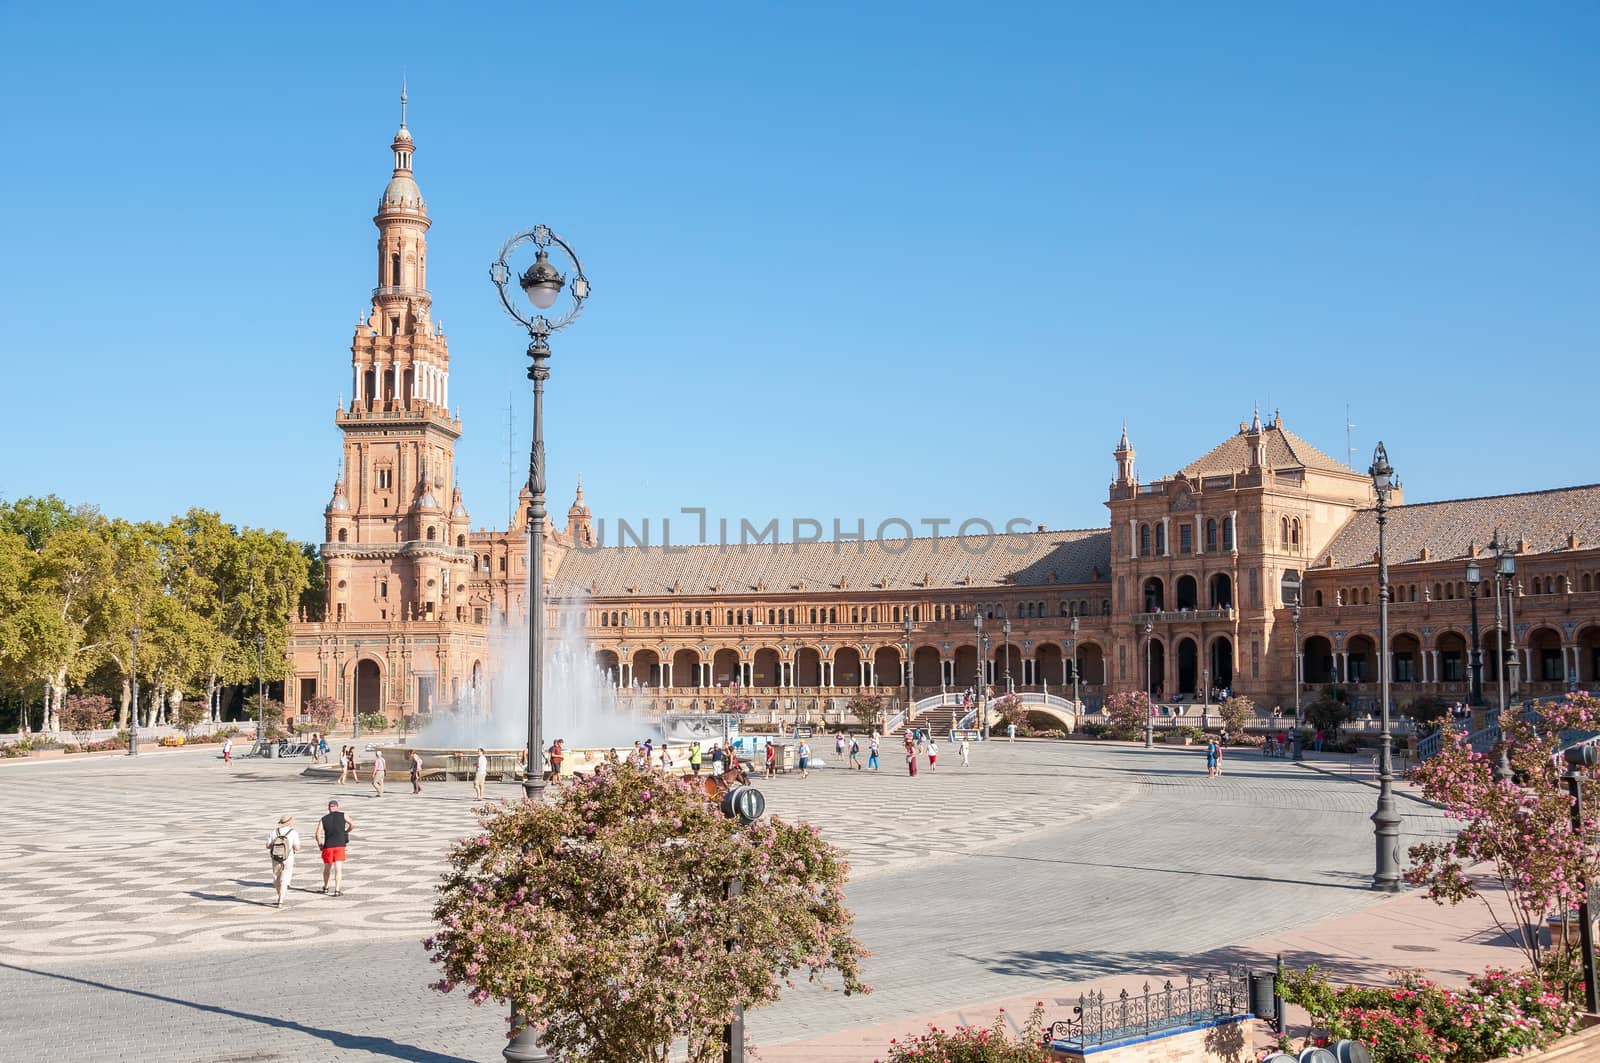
1179	616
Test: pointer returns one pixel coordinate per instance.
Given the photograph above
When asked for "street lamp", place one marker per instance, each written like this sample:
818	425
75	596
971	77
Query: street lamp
261	698
133	720
541	283
978	670
1006	629
907	663
1077	706
1475	577
1299	674
1505	568
1386	820
1149	683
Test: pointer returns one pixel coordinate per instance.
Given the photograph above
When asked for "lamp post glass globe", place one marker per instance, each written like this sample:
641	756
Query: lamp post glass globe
542	282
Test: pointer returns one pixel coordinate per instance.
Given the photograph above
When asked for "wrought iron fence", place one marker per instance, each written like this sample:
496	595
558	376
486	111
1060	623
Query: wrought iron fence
1098	1019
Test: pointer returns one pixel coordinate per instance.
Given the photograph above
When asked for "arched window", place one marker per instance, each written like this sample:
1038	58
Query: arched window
344	535
730	617
1319	598
1211	535
605	620
394	269
430	533
1294	534
1283	531
1227	533
1144	540
461	541
1161	540
1366	595
833	615
1105	606
894	615
1586	584
1066	608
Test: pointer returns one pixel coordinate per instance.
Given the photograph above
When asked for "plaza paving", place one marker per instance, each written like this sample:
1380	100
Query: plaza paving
134	917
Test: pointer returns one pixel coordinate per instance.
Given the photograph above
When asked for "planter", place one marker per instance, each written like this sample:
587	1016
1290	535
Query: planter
1178	740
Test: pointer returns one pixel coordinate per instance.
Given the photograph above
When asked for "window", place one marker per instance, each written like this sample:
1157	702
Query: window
605	620
1255	660
1185	539
1550	669
1319	598
1144	540
502	563
1211	535
1450	666
1294	534
431	531
385	479
477	615
383	589
1161	540
1227	533
394	269
343	535
461	542
1405	668
394	326
1283	532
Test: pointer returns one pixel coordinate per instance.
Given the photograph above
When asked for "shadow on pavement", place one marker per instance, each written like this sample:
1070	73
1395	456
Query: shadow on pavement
381	1046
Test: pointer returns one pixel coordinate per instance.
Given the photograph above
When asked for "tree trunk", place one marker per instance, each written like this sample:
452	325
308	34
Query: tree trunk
213	700
122	705
52	706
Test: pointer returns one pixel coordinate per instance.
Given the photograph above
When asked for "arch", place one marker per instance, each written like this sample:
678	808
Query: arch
1006	663
764	668
807	667
1316	664
1406	661
1546	661
1220	590
1361	662
846	667
724	667
432	533
1153	650
1091	664
1188	667
344	535
605	660
1050	665
368	686
967	666
461	542
646	668
685	669
1153	594
1187	593
1588	643
927	667
886	670
1220	658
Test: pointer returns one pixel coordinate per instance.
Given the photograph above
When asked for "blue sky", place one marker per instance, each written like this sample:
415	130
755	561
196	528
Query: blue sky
849	260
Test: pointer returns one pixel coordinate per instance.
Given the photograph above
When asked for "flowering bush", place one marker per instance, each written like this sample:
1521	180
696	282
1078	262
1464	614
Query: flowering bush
1417	1021
1518	837
975	1044
868	708
1129	711
605	914
735	702
1237	713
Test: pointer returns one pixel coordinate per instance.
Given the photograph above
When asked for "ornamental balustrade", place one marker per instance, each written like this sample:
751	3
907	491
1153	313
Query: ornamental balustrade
1099	1019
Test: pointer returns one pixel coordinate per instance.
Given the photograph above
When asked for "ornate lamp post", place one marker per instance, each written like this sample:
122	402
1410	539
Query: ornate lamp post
1386	820
1077	706
1299	678
1005	628
1505	573
906	663
542	284
1149	684
978	671
133	719
1475	577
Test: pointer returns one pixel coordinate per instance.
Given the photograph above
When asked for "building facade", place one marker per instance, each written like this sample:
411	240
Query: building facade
1186	592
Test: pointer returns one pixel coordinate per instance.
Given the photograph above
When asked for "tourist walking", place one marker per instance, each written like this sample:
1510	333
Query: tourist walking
227	751
911	759
480	773
378	770
838	744
322	747
282	844
1316	740
872	753
1011	732
344	764
558	753
772	760
933	754
719	759
1211	759
694	757
966	752
805	759
416	772
333	834
855	753
350	762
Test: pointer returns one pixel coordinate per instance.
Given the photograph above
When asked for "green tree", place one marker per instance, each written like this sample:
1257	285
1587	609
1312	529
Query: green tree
1327	714
1237	713
867	708
1129	712
633	942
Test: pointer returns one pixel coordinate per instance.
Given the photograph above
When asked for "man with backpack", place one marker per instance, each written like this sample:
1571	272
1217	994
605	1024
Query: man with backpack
282	844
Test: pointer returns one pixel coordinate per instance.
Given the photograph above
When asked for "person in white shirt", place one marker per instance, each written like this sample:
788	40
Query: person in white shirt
966	752
480	774
282	844
378	768
227	751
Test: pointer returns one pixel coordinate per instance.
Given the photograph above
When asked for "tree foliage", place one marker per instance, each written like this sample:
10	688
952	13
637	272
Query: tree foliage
1129	712
1517	836
868	709
605	914
1236	713
84	714
74	585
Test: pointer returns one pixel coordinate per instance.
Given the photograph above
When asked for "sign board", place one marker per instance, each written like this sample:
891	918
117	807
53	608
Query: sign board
971	734
700	727
805	730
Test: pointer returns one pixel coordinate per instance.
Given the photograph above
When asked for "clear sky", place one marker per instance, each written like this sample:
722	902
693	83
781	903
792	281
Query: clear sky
849	260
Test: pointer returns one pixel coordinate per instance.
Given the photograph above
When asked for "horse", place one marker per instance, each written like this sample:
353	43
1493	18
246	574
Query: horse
717	785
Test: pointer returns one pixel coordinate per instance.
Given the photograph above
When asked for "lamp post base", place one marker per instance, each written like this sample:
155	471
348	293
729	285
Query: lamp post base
525	1047
1386	834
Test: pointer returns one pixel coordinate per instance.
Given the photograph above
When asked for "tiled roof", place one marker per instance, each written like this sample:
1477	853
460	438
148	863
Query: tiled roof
1285	450
1543	519
1027	558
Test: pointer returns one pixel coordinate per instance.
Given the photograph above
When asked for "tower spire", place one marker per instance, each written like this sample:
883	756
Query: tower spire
402	98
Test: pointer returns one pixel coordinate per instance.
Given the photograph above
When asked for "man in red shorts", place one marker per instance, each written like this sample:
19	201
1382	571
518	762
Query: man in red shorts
333	834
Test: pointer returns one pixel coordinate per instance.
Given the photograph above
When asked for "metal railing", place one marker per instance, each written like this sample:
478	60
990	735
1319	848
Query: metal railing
1099	1019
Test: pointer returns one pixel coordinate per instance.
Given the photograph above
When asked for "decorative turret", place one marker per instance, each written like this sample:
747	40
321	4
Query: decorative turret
580	525
1124	455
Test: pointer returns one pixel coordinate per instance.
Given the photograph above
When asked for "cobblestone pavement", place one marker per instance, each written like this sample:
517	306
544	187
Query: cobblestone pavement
134	920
